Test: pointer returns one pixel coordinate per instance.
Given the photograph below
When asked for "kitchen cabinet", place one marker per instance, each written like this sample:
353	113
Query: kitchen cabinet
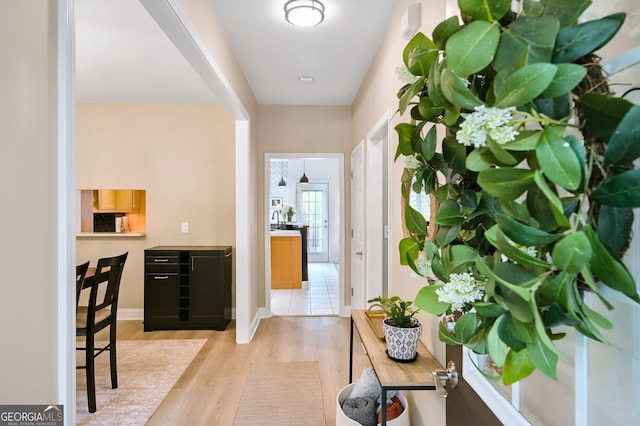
117	200
187	287
286	261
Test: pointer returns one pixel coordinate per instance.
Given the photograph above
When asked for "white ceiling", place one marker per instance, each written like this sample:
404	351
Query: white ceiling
123	56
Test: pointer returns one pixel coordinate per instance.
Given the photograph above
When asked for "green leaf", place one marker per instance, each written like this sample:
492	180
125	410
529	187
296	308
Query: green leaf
557	108
580	40
572	253
614	226
428	300
505	183
429	110
445	336
415	221
558	161
542	357
597	318
566	11
622	190
410	94
455	154
530	38
456	91
479	159
429	144
444	30
610	269
409	248
527	140
541	332
488	309
624	145
502	155
449	217
567	77
497	239
419	53
466	327
433	81
524	234
497	348
517	366
603	113
523	292
508	336
446	235
472	48
484	10
525	84
404	131
459	257
557	209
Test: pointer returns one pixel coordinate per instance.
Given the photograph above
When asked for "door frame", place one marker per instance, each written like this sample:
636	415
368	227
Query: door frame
268	156
358	287
377	175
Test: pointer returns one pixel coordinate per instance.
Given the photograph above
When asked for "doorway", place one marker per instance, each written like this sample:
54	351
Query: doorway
319	209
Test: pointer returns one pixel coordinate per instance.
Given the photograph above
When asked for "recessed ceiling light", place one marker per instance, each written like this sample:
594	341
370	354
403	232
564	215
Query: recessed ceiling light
304	13
305	79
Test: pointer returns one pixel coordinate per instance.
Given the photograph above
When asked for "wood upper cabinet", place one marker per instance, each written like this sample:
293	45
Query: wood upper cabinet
118	200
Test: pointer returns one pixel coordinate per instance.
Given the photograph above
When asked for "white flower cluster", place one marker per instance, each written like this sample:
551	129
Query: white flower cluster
484	123
412	163
423	264
461	290
404	75
286	210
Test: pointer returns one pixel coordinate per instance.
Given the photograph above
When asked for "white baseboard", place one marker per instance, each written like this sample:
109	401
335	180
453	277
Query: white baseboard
262	313
131	314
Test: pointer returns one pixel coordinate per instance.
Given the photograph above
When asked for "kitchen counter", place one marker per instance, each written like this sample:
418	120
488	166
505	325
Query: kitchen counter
110	234
285	233
286	262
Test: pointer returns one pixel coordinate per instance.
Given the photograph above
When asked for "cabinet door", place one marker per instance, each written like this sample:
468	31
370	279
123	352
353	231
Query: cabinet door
206	287
106	199
162	294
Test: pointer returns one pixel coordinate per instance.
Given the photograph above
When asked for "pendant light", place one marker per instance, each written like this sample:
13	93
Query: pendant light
282	182
304	178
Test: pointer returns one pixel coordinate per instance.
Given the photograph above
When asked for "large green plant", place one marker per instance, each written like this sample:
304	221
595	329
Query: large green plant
534	205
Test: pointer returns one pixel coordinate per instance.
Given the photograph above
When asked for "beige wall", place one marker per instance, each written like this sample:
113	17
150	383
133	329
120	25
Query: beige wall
377	95
205	21
182	155
301	129
29	306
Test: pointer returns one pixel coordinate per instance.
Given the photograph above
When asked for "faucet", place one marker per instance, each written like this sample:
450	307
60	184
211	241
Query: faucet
276	212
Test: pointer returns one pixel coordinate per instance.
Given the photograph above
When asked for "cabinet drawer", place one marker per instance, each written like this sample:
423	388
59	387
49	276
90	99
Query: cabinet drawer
158	263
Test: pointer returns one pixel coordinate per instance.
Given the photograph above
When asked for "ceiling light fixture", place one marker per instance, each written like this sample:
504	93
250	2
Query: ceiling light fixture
304	13
282	182
304	178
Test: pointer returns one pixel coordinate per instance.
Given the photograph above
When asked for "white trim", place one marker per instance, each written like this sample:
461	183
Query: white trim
374	164
497	403
255	322
131	314
66	386
174	22
267	225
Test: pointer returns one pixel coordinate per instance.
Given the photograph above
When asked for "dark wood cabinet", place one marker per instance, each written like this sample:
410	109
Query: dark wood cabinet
187	287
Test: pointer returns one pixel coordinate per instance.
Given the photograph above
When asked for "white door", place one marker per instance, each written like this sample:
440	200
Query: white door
313	202
357	228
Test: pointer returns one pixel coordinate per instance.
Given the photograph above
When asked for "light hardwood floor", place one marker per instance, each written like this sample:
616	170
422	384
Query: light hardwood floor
209	391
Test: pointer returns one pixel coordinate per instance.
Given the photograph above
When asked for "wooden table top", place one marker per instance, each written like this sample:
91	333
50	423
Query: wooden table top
393	373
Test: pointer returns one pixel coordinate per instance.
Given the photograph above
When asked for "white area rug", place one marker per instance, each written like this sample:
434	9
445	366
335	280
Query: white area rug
282	393
147	370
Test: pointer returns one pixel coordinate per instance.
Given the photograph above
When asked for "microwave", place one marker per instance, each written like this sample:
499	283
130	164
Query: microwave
106	222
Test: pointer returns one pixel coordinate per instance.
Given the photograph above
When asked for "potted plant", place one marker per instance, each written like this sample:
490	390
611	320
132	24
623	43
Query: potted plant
401	329
533	177
286	211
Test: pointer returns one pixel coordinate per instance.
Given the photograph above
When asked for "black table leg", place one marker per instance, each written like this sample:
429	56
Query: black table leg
351	354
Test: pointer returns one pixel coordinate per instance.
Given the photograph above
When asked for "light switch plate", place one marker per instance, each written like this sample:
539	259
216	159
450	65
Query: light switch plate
185	227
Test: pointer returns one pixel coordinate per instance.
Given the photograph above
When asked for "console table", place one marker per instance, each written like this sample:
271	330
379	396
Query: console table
393	375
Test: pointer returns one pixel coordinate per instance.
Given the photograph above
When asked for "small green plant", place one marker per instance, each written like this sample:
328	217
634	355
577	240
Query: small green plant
399	311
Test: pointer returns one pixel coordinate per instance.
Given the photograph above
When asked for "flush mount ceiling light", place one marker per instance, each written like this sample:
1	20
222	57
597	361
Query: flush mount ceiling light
304	13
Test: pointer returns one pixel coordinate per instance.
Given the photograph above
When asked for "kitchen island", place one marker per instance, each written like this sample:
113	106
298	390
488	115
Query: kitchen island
286	261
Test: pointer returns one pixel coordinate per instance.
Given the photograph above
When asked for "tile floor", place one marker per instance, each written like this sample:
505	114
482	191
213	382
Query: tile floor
320	299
